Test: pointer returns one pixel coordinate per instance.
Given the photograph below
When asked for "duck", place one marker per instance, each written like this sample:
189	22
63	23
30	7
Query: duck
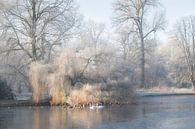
96	106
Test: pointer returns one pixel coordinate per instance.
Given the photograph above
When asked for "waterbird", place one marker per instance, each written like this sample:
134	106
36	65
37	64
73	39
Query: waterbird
95	106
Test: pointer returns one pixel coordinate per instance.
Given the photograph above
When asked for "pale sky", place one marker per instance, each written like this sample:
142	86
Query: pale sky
97	10
101	10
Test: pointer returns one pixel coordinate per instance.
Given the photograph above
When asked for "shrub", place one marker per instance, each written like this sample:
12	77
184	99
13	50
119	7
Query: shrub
111	93
5	91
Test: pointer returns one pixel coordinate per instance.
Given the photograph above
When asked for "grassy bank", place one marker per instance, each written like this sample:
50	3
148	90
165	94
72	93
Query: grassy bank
166	89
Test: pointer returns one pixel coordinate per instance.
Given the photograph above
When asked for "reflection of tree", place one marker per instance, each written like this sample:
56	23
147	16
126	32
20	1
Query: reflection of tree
57	118
85	119
5	117
144	116
36	119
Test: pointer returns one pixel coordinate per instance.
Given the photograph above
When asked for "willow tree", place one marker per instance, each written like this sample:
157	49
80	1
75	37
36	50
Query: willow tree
142	19
185	37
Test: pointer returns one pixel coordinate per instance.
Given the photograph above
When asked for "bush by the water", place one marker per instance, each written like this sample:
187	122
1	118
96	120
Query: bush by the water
5	90
113	92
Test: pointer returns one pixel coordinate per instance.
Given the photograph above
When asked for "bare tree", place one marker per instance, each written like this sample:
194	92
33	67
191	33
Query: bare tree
124	43
134	13
35	27
95	38
93	33
32	30
185	36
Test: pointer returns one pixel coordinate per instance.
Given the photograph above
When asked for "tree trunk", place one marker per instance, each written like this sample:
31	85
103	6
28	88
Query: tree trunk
33	31
142	66
193	82
142	61
193	86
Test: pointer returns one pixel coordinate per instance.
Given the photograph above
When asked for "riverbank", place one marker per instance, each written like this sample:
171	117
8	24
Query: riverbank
21	103
27	103
164	91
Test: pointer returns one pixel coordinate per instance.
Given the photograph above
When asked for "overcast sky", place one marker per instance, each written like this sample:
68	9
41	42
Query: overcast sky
101	10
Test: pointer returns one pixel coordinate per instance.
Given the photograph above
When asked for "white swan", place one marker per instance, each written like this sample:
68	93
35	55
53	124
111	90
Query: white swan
93	107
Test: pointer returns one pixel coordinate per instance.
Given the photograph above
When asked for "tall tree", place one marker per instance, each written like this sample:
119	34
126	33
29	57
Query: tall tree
36	26
135	13
32	30
93	32
185	36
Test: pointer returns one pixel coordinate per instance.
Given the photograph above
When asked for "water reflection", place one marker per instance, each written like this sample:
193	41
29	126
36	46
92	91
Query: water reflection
36	119
86	119
58	118
150	113
5	117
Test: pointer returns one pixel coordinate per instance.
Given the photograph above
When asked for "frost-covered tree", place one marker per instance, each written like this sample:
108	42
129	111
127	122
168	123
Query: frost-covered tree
31	30
142	21
35	27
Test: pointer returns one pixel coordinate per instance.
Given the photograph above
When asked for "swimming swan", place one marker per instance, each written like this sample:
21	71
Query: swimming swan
93	107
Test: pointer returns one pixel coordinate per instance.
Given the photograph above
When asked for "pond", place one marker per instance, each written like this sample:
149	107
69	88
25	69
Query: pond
154	112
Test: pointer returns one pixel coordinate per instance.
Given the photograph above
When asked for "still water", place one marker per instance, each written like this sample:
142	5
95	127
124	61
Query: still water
168	112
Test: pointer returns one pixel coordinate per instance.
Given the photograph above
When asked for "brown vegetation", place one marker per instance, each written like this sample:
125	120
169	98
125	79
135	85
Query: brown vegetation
111	93
57	81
